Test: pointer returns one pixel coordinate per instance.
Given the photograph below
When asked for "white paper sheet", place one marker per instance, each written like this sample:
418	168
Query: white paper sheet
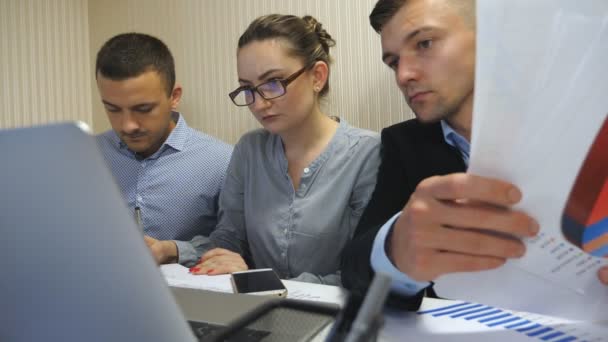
315	292
177	275
541	97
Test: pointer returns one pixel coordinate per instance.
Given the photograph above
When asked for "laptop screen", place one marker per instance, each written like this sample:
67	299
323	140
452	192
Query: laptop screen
79	269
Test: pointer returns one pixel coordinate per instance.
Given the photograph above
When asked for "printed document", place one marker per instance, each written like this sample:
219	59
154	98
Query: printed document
540	122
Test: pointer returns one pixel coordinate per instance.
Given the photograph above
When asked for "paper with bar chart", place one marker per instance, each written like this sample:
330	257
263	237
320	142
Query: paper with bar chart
540	122
585	219
446	320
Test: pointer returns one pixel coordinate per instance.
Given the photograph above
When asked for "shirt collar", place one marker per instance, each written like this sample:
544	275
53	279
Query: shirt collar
456	140
176	139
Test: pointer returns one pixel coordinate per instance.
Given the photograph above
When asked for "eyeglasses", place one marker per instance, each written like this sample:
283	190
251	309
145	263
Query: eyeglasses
245	95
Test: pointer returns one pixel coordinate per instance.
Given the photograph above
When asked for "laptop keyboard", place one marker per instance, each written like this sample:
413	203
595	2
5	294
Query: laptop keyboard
203	331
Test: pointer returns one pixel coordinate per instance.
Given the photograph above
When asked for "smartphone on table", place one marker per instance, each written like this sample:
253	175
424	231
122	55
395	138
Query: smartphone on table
263	282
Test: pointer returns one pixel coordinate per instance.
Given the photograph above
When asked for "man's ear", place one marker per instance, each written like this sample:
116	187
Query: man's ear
176	96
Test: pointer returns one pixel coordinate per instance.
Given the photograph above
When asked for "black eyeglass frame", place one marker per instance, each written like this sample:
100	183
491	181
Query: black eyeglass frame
284	82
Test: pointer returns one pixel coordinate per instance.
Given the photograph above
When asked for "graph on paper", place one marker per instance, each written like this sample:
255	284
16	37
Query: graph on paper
585	219
549	138
521	324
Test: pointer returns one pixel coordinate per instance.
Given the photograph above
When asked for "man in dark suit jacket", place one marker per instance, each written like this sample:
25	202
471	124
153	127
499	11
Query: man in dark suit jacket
426	217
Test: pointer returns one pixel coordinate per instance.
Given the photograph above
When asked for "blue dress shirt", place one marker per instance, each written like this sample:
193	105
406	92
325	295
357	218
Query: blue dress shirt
177	188
402	283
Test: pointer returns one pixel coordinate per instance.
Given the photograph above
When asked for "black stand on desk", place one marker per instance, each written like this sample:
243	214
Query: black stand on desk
361	319
343	325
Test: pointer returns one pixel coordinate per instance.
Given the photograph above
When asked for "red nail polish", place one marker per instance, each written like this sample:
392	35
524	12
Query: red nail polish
194	269
209	271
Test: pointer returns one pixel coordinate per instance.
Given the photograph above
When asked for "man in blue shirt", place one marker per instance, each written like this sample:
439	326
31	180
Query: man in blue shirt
170	174
426	217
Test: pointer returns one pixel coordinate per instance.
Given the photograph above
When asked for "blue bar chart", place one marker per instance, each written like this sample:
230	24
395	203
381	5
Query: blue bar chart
526	325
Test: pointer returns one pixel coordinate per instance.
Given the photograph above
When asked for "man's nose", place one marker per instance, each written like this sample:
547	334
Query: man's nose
129	123
407	71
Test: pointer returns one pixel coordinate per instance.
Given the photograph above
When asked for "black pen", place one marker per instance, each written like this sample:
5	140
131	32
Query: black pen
138	218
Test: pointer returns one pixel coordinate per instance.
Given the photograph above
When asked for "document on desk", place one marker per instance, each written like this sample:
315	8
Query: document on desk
315	292
540	122
177	275
446	320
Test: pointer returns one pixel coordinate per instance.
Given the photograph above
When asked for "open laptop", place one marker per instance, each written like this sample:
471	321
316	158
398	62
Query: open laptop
78	267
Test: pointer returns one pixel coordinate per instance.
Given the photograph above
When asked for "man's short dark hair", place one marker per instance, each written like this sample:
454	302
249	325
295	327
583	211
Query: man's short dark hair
383	11
131	54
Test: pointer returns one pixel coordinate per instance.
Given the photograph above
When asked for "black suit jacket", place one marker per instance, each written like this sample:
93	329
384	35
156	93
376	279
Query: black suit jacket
411	151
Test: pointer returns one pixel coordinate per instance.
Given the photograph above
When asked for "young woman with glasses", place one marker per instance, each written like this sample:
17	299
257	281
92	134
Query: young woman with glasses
295	190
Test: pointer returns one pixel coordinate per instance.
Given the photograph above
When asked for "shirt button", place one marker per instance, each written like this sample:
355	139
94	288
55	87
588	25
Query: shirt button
285	231
139	198
306	170
143	164
283	254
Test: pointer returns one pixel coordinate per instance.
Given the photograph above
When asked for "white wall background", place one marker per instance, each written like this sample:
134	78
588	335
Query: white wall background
44	62
48	47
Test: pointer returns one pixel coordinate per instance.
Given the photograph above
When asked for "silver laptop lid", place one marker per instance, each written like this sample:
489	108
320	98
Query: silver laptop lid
77	266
